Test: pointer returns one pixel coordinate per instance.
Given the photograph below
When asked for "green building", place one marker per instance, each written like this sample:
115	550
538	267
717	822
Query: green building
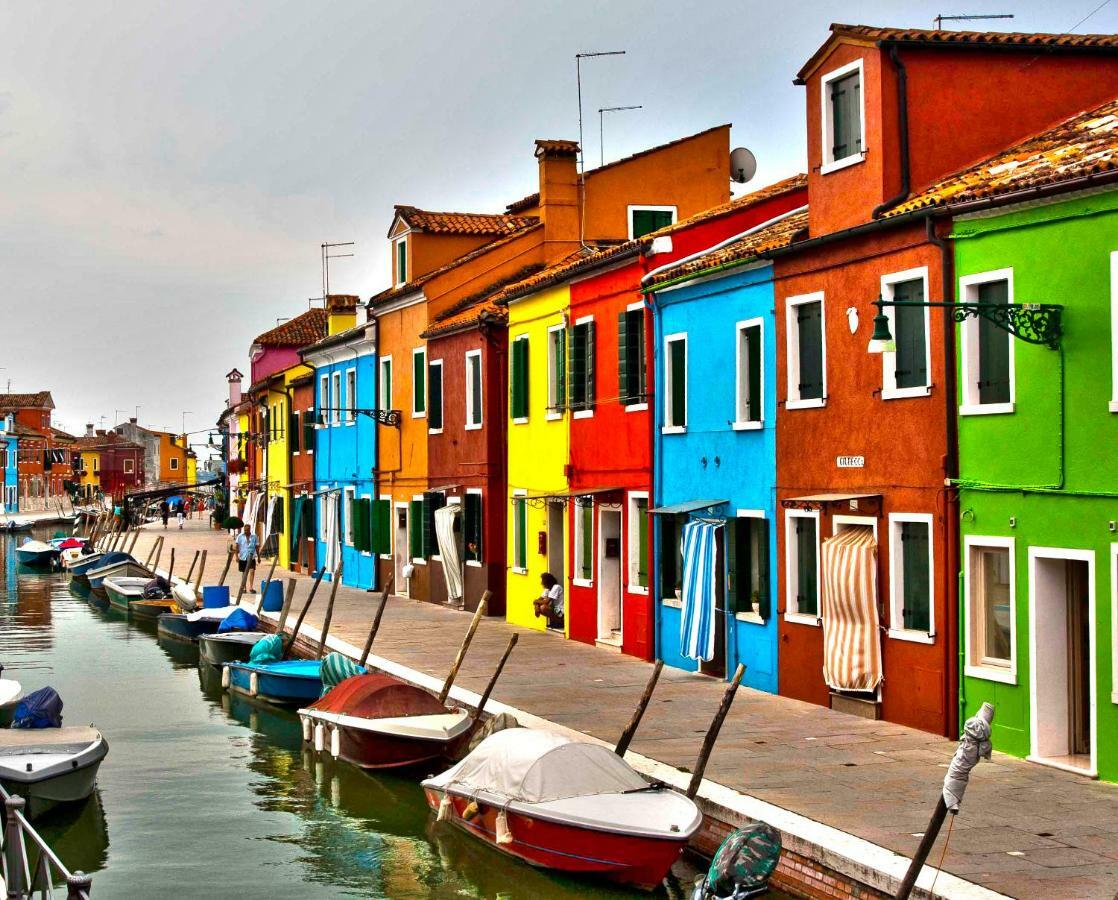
1038	486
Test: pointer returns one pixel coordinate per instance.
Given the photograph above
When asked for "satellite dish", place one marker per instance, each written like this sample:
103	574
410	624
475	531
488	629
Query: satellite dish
743	165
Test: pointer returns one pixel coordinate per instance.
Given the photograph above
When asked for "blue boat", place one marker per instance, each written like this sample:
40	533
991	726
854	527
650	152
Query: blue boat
191	626
291	682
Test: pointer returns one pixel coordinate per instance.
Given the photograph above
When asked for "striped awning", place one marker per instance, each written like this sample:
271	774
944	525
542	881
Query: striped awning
851	639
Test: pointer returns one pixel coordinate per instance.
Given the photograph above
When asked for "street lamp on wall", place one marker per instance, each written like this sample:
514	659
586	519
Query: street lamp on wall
1034	323
383	416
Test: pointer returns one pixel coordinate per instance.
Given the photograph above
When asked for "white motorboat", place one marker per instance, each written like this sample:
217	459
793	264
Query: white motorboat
37	554
48	766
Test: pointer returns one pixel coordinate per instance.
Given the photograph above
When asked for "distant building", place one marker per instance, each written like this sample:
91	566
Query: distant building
9	465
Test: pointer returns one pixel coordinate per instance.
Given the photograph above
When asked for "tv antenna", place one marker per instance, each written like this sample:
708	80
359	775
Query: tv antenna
602	127
940	19
326	257
579	57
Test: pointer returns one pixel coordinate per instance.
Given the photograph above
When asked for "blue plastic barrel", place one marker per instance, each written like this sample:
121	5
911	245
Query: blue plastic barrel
272	592
214	596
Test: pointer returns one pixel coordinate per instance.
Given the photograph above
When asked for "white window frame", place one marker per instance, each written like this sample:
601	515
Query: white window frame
470	377
971	668
384	398
1114	335
828	163
349	495
473	563
1114	622
750	616
896	579
336	391
586	413
173	462
419	351
889	389
396	279
640	407
519	495
523	420
554	401
792	350
577	532
669	339
968	290
792	614
642	207
437	364
350	396
740	404
632	542
129	467
323	397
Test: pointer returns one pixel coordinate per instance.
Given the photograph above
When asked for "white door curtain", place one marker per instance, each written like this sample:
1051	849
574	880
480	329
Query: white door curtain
851	637
700	566
448	549
333	532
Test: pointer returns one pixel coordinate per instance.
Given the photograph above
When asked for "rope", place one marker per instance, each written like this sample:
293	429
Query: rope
939	868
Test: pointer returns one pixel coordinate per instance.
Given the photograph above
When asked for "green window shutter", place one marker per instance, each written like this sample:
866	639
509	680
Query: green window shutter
519	386
401	261
645	221
308	519
642	542
419	382
911	358
561	369
637	354
293	432
807	595
475	389
589	350
520	533
435	392
298	518
993	348
755	407
586	569
846	116
308	431
474	527
432	500
736	573
415	528
380	523
763	588
361	516
809	321
677	350
577	368
917	593
624	376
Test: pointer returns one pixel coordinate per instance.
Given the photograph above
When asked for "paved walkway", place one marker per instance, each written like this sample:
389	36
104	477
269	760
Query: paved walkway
1024	830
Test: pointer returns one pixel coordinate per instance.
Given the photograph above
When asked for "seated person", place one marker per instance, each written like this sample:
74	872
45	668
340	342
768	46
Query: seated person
550	601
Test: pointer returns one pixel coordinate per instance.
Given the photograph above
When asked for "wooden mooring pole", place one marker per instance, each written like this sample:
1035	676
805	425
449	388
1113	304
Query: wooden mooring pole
493	678
228	563
288	645
376	619
336	580
712	732
466	641
631	729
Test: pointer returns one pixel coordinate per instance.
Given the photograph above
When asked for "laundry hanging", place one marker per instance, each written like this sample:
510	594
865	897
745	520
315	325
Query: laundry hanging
333	533
448	549
851	636
269	518
700	562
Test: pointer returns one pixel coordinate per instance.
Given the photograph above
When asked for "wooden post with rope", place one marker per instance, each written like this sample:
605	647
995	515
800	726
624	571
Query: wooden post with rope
631	729
481	607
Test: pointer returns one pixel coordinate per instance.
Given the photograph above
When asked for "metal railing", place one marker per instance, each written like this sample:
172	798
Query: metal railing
29	869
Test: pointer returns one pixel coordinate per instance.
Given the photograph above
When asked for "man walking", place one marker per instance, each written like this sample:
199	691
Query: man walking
247	555
164	512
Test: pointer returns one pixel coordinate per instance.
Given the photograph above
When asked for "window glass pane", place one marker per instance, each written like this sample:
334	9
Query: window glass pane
911	358
809	322
677	383
916	586
473	374
994	606
520	533
586	541
749	374
993	348
474	527
807	587
846	125
641	513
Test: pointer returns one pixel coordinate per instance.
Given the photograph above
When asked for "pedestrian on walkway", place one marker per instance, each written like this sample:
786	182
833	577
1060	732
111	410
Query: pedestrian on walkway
180	512
164	512
247	555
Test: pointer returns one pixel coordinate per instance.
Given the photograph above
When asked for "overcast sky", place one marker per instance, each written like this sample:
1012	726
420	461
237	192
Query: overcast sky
169	170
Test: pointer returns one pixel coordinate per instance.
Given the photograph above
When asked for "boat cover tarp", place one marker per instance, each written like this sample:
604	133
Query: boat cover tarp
70	544
268	650
157	589
536	766
238	620
448	549
700	568
377	696
39	709
851	639
336	669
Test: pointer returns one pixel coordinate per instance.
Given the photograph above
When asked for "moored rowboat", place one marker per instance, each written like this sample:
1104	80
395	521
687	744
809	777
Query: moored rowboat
288	682
48	766
37	554
567	805
233	646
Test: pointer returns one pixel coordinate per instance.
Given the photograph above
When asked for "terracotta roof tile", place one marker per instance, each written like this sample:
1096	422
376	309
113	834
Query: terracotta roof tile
477	306
778	234
482	224
556	147
927	37
37	400
524	203
786	186
1083	145
298	332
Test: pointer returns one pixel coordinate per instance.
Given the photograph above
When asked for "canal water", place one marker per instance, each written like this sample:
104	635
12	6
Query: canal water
211	796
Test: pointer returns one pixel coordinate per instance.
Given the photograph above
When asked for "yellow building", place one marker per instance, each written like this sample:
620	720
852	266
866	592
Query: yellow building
89	469
538	449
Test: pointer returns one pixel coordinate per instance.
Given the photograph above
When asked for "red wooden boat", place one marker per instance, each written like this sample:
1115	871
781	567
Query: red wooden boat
567	805
376	721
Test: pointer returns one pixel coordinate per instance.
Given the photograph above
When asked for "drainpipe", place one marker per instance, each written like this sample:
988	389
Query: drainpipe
902	133
955	701
655	459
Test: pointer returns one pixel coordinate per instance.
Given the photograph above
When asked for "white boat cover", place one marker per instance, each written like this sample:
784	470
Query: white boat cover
32	546
10	691
535	766
212	614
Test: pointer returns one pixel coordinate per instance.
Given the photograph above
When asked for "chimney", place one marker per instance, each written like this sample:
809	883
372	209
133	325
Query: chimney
234	379
100	432
341	312
132	420
89	432
558	164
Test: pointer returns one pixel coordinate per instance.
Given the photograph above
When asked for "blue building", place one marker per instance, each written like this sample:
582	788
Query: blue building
9	465
715	454
345	452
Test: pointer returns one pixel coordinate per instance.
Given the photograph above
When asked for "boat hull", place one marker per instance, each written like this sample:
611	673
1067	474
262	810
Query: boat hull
177	626
279	687
150	609
67	778
217	650
630	859
127	569
36	559
370	750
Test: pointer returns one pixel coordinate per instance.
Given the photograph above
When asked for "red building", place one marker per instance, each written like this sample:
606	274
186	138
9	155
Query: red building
120	461
865	443
45	452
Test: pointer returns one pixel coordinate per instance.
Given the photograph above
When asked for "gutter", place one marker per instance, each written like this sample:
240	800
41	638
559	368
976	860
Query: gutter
902	128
